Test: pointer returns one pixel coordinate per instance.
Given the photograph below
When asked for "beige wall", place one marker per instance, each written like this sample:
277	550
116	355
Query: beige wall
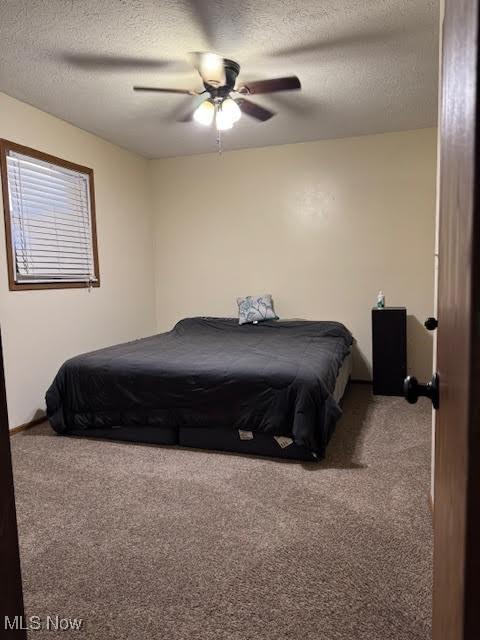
322	226
41	329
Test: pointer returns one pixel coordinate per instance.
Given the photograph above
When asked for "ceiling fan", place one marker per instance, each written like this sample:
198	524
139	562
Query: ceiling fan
224	101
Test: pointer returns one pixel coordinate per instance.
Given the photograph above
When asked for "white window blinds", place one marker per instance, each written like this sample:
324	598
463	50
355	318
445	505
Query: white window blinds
50	221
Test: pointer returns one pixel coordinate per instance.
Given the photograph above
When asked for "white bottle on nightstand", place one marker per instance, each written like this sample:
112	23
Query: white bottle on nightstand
381	300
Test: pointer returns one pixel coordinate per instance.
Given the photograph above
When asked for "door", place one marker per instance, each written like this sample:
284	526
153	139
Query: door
11	599
456	590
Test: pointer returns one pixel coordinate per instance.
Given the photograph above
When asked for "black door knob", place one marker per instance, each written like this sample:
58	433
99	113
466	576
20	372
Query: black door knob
412	390
431	324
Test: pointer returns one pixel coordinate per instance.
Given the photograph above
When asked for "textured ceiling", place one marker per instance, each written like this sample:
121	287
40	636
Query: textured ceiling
366	66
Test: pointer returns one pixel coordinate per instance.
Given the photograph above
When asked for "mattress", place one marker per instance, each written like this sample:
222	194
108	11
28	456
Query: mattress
275	378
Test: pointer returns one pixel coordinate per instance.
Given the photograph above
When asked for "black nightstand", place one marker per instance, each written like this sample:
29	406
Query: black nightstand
389	350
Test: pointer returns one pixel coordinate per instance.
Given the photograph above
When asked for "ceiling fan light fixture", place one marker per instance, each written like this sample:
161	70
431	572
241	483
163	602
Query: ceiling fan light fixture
223	120
230	107
205	113
223	98
212	69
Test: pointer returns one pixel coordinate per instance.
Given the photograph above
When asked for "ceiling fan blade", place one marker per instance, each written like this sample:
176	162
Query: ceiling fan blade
113	63
358	37
222	25
202	13
254	110
270	86
210	66
185	114
186	117
164	90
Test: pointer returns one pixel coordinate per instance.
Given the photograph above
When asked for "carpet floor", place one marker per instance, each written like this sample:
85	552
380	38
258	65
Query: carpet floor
147	542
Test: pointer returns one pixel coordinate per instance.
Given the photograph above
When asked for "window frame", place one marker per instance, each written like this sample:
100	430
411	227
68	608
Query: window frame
13	285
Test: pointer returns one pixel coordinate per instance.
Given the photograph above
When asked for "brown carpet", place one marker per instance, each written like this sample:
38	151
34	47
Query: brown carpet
149	542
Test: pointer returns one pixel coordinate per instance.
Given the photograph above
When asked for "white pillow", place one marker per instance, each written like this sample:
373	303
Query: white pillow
255	309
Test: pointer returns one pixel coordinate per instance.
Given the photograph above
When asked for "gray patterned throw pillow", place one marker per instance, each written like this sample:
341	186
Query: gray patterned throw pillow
255	309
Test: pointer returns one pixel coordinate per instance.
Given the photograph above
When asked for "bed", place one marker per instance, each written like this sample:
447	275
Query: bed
271	388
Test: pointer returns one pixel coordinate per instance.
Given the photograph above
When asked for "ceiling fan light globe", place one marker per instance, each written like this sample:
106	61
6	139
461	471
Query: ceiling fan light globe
205	113
223	120
211	68
231	107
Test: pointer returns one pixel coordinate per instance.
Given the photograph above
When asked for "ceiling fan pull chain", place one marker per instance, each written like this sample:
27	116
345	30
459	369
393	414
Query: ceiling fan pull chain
219	142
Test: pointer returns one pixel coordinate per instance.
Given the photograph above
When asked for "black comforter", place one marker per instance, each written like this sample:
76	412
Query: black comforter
275	377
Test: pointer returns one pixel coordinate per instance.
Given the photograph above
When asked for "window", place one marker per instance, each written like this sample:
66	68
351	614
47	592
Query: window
50	229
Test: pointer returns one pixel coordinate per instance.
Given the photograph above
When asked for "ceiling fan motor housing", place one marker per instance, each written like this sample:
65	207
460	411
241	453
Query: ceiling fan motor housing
232	69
